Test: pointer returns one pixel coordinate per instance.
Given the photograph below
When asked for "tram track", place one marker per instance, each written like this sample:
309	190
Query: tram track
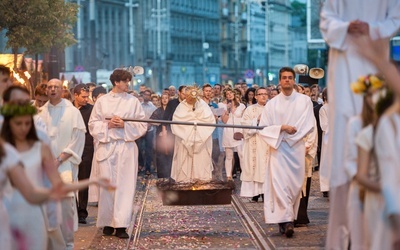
249	223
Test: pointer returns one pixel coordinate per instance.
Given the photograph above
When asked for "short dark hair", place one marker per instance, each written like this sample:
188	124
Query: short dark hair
81	87
258	89
207	85
7	93
181	88
5	70
217	84
40	90
120	75
91	84
98	90
286	69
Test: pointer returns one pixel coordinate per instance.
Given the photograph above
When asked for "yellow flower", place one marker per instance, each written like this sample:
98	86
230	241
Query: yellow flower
358	87
376	83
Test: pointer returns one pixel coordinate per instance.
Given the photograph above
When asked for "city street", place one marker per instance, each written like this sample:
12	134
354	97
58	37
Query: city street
236	226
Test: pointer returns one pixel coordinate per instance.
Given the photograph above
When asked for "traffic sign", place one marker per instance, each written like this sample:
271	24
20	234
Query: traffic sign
249	73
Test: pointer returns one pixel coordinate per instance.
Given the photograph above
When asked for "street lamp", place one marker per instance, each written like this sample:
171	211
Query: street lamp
159	13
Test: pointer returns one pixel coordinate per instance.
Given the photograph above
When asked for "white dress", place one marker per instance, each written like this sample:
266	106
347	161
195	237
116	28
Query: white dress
8	161
24	217
355	208
378	230
235	119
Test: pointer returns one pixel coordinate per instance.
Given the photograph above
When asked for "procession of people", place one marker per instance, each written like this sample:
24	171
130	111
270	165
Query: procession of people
58	144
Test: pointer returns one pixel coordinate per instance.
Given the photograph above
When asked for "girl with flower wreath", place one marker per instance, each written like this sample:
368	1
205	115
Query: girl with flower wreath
387	139
368	176
27	221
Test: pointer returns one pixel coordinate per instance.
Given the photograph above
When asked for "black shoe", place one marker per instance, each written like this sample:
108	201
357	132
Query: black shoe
282	228
108	231
148	172
325	194
82	220
121	233
289	230
316	168
255	198
234	176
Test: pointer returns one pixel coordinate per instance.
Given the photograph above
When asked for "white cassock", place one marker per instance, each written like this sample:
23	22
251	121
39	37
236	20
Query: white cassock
345	66
387	146
193	144
285	170
255	152
117	155
324	166
66	130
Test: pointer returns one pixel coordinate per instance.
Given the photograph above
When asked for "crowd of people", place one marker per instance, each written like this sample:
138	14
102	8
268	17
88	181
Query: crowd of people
65	140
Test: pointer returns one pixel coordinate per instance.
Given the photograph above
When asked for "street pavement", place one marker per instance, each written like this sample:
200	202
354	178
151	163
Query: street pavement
155	226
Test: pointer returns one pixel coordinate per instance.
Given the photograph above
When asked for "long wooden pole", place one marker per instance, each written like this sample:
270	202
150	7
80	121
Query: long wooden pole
192	123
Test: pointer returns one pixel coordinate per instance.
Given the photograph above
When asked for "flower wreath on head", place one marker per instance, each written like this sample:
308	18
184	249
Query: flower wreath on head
364	83
17	109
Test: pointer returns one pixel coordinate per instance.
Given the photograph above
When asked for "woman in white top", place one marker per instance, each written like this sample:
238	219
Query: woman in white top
233	115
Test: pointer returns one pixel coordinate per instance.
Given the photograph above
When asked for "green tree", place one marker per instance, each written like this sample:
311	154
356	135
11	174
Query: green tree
38	26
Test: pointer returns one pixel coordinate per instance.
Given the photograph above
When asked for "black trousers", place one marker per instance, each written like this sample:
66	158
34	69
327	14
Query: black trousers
302	216
84	173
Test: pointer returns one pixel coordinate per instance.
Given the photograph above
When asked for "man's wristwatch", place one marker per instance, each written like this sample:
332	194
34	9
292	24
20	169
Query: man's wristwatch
60	161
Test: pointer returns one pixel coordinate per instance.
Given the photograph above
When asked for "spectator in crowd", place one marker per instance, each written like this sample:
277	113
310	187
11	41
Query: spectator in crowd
217	91
274	92
98	92
249	97
66	94
5	78
160	155
145	143
155	99
233	115
40	95
167	136
81	94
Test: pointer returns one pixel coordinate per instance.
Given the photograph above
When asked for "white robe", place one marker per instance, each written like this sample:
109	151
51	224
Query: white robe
285	170
346	65
66	130
324	166
117	155
387	146
255	152
193	144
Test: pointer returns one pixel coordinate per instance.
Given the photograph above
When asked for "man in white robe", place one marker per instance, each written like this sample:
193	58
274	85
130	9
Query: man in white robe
193	144
289	117
117	152
341	21
255	150
66	130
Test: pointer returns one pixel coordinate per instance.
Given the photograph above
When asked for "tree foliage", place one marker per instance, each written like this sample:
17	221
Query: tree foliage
300	9
38	25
